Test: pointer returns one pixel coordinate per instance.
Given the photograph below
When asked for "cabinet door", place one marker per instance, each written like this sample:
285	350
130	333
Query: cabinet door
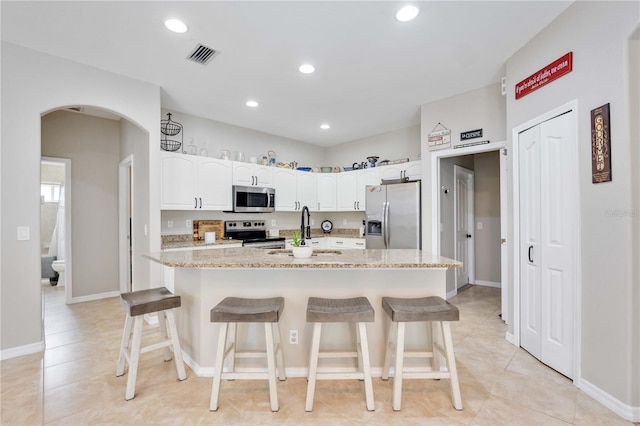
326	184
392	171
177	181
307	190
214	183
284	181
243	174
263	175
365	177
346	191
413	170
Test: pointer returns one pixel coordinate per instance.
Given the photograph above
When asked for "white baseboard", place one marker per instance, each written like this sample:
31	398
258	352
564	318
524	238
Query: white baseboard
93	297
510	338
625	411
22	350
452	293
487	283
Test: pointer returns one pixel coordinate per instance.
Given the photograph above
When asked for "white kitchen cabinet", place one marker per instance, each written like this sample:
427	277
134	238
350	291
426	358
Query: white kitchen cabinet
251	174
346	243
411	170
316	243
351	188
326	194
294	190
190	182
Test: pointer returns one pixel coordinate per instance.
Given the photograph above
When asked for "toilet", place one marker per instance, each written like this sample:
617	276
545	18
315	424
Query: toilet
58	266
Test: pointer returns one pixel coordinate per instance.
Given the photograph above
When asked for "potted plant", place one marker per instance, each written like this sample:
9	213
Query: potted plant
299	250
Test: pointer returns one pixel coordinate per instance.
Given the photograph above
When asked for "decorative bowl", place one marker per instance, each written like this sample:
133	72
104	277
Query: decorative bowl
304	169
326	169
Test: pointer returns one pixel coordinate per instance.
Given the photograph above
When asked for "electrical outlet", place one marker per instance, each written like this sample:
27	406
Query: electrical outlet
188	223
313	222
169	224
293	337
344	221
479	225
273	222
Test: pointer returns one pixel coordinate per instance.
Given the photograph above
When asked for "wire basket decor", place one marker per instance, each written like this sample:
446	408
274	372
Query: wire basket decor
172	128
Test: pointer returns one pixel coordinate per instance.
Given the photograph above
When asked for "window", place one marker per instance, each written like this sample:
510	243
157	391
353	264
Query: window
50	192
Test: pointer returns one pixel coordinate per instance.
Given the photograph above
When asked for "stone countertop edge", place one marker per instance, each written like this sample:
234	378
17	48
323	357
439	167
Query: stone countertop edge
246	257
196	243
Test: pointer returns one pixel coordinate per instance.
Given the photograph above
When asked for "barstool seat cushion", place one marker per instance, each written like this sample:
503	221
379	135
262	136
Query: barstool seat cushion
238	309
357	309
432	308
147	301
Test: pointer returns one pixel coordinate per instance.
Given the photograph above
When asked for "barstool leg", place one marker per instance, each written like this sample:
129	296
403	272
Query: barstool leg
397	379
271	366
124	345
217	373
279	354
451	364
313	366
134	357
366	366
162	323
388	353
359	348
175	342
232	334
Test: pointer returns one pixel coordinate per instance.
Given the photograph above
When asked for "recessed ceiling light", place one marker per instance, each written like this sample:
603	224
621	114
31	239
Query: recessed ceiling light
252	104
407	13
325	126
176	25
306	68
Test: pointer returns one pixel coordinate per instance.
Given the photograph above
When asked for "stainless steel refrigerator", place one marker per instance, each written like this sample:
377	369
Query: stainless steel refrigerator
394	216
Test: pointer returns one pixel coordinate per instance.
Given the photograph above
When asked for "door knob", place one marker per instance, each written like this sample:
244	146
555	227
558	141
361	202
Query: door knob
468	235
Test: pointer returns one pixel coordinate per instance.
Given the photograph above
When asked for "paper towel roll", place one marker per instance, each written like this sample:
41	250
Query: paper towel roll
209	237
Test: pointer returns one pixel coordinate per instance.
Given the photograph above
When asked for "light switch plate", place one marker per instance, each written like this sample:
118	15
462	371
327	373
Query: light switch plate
23	233
169	224
479	225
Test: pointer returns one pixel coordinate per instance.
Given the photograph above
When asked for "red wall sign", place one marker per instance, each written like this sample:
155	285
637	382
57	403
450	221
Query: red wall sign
546	75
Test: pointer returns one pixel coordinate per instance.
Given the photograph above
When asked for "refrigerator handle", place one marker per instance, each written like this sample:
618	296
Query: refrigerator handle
385	224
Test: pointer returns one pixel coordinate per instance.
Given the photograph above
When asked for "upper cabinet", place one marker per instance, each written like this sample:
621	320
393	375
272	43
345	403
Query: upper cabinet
250	174
411	170
294	190
191	182
326	192
351	188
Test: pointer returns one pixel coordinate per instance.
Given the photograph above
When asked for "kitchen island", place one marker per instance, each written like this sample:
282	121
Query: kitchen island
204	277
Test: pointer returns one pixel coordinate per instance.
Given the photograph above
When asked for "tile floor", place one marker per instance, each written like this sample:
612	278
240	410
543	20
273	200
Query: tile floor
73	382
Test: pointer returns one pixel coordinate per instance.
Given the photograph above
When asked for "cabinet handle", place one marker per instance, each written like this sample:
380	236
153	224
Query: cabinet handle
318	206
200	202
339	242
530	259
196	200
354	206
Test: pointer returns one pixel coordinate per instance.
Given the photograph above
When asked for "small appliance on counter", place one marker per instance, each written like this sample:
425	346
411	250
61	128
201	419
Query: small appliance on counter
253	233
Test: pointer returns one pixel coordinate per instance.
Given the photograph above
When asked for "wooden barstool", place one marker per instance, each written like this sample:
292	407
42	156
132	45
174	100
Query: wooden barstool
137	304
233	310
429	309
356	310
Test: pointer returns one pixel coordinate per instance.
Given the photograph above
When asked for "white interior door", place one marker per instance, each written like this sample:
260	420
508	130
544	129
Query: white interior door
547	227
463	210
504	247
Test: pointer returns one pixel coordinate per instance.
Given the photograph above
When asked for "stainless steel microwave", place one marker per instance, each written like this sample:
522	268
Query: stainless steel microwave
253	199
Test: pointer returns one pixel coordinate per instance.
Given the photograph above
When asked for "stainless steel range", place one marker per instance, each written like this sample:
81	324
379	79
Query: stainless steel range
253	233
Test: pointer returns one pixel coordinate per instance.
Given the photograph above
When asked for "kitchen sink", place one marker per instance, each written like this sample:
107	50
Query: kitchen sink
319	252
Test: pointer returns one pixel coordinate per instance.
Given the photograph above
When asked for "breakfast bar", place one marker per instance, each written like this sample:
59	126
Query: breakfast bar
204	277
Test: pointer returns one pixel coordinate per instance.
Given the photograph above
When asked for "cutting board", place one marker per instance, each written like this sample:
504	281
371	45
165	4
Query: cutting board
202	226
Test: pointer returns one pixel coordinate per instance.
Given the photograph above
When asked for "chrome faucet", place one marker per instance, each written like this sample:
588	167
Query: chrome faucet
305	235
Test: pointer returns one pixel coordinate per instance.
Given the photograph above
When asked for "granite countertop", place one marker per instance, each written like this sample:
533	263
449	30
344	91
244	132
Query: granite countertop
186	240
247	257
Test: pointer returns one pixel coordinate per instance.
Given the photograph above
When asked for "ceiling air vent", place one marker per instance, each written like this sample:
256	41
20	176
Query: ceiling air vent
202	54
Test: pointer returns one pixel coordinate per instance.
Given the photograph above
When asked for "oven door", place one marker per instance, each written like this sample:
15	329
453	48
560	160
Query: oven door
249	199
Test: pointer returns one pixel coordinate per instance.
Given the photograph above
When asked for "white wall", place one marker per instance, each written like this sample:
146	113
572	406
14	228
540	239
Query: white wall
597	33
402	143
33	84
135	141
217	136
92	144
483	108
